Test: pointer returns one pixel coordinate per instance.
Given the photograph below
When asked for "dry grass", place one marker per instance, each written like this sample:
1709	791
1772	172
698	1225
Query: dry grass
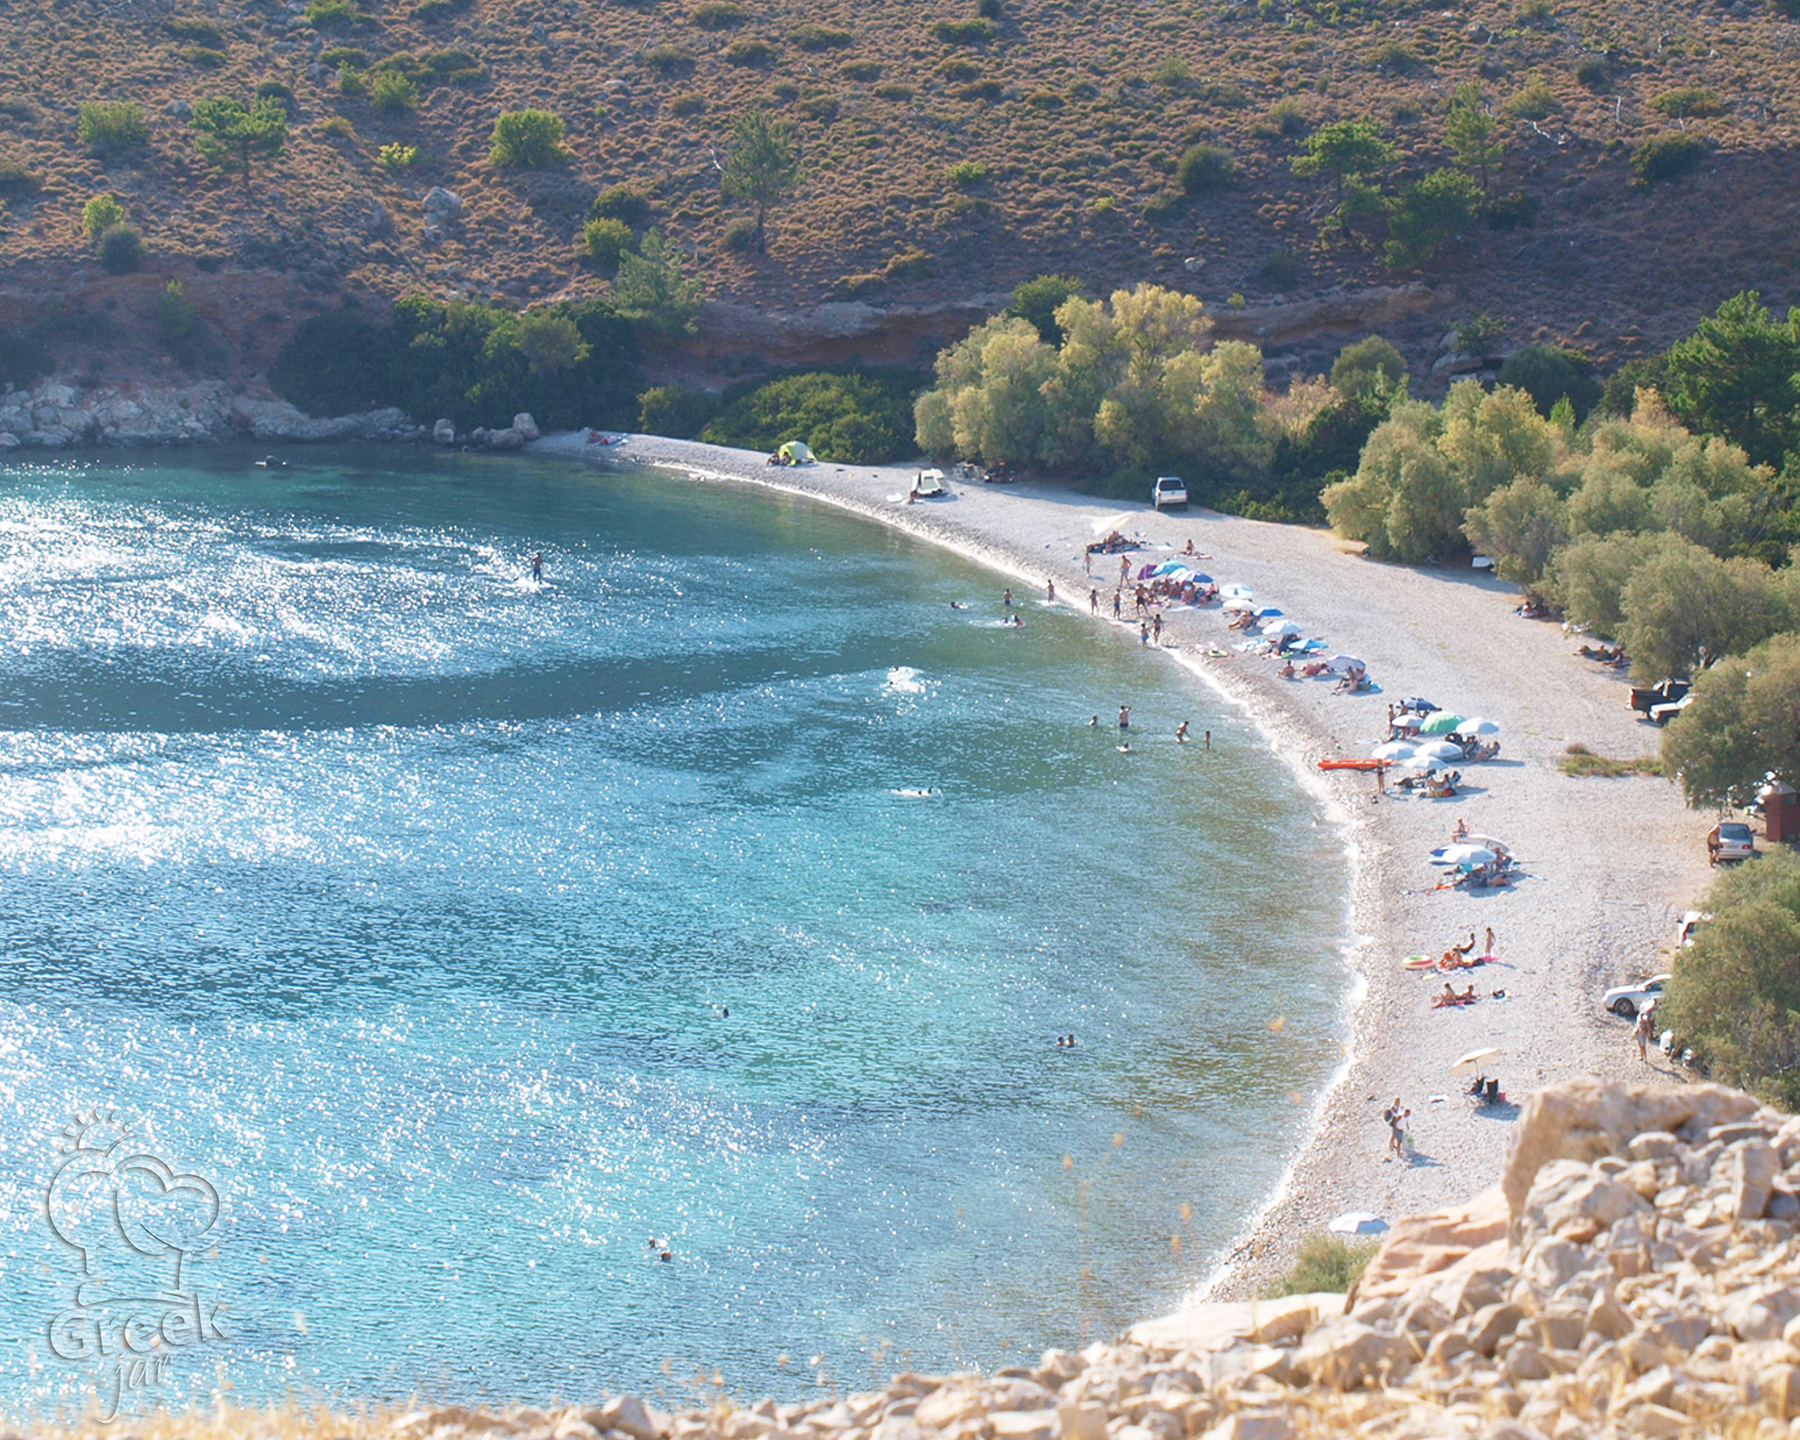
1583	763
1078	108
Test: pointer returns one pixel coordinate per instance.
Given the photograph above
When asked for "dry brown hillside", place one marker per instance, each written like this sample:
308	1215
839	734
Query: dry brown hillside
1072	113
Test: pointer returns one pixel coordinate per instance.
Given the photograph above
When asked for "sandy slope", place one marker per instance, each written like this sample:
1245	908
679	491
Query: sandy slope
1612	862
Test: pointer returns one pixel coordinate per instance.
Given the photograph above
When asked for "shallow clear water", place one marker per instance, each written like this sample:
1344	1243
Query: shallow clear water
403	901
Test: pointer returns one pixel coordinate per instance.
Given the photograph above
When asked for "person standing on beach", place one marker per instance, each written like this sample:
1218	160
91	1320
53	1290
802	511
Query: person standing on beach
1050	591
1117	595
1488	945
1093	602
1156	627
1646	1030
1124	569
1087	562
1397	1119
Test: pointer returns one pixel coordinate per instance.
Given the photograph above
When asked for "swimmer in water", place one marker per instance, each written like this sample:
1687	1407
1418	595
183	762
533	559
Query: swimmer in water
1018	622
1181	733
1125	749
958	605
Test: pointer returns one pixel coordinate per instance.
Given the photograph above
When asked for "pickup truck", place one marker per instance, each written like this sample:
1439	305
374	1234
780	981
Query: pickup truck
1645	698
1169	491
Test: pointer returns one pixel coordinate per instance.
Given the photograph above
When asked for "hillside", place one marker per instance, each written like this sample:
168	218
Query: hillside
1066	116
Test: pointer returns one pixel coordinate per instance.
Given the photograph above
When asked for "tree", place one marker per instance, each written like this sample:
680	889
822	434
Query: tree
549	342
1738	375
1469	131
1743	724
231	134
1520	526
1369	369
1735	996
1428	212
527	140
653	289
1549	372
1345	150
1684	608
762	166
1037	300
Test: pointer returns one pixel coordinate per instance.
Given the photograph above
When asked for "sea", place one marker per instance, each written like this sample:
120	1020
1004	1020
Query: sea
424	982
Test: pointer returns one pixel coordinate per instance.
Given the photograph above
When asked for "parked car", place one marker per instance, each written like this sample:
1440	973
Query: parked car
1664	692
1169	493
1663	714
1730	840
1691	920
1626	1000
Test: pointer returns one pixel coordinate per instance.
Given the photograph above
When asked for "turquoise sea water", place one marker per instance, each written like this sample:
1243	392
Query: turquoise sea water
402	902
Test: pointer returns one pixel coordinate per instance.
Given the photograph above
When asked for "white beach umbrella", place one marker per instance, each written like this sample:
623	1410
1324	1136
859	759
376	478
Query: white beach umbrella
1441	750
1406	722
1108	523
1237	603
1393	750
1465	855
1476	1057
1478	727
1357	1222
1276	628
1424	764
1237	592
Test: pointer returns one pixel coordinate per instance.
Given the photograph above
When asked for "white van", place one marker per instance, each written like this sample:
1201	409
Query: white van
1169	492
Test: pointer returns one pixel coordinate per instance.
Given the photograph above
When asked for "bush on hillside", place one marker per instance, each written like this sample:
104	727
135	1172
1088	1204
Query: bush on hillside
717	15
100	214
621	202
1688	101
675	411
820	37
527	140
605	241
121	249
855	417
1324	1263
18	180
392	92
1549	373
1203	167
1037	300
107	125
1667	157
749	52
975	31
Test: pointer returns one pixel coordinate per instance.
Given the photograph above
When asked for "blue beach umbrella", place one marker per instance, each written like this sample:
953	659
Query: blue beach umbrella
1268	612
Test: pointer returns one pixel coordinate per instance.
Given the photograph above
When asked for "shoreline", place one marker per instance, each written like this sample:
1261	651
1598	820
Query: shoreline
1611	863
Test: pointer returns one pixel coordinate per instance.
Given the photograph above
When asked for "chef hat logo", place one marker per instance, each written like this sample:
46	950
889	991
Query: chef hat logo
134	1219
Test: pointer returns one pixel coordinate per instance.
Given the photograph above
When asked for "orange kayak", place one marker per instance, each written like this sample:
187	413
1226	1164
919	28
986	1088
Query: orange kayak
1353	764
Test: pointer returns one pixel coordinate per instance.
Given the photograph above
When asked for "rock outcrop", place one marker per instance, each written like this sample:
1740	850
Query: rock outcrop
54	416
1636	1274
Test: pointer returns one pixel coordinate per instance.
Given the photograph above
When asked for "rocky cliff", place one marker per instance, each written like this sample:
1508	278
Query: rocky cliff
1637	1272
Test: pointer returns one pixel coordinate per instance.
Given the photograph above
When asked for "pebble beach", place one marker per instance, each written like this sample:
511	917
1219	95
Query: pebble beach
1609	864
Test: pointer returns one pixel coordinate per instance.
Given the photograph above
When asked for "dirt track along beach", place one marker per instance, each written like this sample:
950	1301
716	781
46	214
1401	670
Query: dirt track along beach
1609	864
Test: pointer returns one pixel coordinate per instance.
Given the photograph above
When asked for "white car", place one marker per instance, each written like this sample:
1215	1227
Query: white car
1169	491
1730	840
1690	921
1664	713
1626	1000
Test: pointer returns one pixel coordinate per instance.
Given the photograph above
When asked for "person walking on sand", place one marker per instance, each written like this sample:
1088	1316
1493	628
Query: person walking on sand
1156	627
1646	1030
1124	568
1093	602
1118	595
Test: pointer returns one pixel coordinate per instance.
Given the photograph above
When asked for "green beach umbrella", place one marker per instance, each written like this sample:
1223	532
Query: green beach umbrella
1440	722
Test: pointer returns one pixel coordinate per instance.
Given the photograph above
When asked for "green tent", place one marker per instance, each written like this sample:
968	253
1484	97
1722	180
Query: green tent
796	452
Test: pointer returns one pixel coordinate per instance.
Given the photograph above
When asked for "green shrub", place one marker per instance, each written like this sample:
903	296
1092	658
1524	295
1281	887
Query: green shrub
392	92
431	11
1477	336
861	70
275	90
23	359
397	156
1163	206
823	108
16	181
1203	167
675	411
112	125
621	202
175	317
100	214
740	235
605	241
668	59
1510	211
982	90
966	172
687	105
1667	157
1592	75
749	52
1287	119
1533	101
1548	373
527	140
337	57
352	83
1535	14
1044	100
1582	763
203	59
337	128
850	416
121	249
231	134
1278	270
1687	101
1172	74
1037	300
893	91
1397	57
976	31
1324	1263
820	37
956	67
717	15
329	14
200	32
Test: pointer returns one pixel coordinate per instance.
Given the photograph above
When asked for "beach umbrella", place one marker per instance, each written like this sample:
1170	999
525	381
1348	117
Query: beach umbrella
1415	702
1237	592
1357	1222
1393	750
1168	567
1406	722
1476	1057
1441	750
1439	722
1268	612
1145	571
1199	579
1344	664
1478	727
1278	628
1463	855
1499	847
1106	524
1235	604
1424	764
